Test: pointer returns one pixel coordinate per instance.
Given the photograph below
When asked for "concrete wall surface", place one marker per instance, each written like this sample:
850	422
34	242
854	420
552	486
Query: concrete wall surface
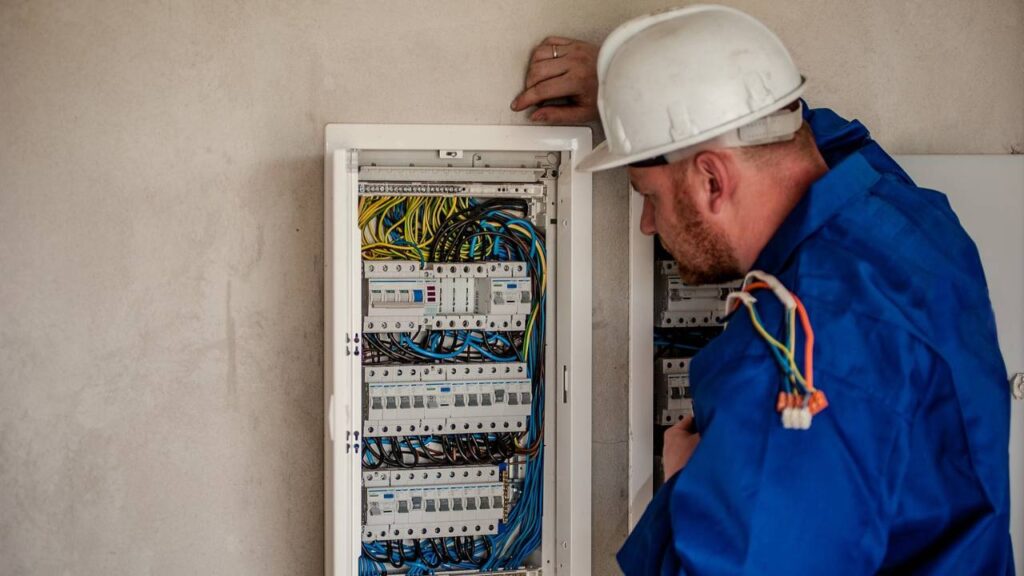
161	222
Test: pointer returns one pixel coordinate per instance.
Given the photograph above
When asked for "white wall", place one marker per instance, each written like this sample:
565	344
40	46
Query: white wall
161	224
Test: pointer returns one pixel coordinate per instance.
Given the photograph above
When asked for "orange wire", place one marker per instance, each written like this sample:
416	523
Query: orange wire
750	288
805	322
809	343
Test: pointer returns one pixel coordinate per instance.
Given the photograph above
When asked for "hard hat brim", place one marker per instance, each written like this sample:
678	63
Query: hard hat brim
602	157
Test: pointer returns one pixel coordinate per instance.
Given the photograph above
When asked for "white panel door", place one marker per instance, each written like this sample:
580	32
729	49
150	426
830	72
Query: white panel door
987	194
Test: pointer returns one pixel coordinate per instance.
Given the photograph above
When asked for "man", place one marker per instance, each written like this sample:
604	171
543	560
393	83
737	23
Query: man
906	470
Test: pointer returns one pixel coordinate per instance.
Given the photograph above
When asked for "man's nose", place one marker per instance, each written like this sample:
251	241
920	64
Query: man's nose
647	218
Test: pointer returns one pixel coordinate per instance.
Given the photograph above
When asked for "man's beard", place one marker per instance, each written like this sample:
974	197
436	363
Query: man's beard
703	253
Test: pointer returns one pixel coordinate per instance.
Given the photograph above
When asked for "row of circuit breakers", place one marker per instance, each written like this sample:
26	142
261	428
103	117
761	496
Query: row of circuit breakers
433	502
419	399
681	311
446	398
407	296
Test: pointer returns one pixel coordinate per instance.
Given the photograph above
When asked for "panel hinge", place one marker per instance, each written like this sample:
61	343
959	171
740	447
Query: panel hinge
1017	386
352	442
352	344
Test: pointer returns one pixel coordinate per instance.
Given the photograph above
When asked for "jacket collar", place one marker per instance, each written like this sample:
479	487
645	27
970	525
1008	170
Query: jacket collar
844	184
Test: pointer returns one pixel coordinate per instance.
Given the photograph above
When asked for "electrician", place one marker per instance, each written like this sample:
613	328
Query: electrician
906	470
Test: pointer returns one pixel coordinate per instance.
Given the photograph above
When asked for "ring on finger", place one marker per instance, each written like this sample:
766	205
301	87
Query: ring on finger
554	51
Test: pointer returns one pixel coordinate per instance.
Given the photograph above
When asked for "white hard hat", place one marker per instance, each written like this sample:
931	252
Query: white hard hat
675	82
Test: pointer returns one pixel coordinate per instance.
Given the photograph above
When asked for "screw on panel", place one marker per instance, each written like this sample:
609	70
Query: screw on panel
1017	386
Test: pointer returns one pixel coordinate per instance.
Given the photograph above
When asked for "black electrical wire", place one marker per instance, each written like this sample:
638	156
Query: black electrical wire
413	554
413	451
396	452
423	557
376	463
448	558
470	546
445	245
369	554
391	555
460	550
487	549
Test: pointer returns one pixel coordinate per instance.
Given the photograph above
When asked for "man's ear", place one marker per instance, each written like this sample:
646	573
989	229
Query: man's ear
716	177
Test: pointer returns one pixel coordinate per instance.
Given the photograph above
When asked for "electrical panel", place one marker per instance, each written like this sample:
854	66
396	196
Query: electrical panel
458	320
686	318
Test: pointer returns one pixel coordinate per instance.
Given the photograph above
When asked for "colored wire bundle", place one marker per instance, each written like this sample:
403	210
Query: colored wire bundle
441	450
798	400
425	556
461	229
443	346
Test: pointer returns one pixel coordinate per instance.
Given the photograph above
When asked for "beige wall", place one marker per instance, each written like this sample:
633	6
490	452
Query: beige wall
161	224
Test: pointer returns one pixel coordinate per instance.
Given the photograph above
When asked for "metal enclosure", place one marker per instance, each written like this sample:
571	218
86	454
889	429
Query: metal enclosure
448	161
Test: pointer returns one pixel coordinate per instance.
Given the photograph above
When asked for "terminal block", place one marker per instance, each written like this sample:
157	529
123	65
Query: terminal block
442	476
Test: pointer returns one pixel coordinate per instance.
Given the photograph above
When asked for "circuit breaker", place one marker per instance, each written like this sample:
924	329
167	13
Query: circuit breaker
672	390
457	323
681	306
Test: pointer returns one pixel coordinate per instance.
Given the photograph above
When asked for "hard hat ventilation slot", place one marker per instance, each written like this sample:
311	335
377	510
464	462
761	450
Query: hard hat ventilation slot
681	125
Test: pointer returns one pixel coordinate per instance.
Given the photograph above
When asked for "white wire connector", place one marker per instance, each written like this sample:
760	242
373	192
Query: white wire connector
778	289
796	418
745	297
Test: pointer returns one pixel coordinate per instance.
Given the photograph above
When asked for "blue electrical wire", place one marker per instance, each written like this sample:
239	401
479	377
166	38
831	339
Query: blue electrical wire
520	535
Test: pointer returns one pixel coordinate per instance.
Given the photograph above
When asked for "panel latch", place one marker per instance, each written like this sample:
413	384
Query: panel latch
1017	386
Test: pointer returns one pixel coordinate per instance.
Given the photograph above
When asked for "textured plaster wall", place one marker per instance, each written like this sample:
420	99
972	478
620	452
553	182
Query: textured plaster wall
161	224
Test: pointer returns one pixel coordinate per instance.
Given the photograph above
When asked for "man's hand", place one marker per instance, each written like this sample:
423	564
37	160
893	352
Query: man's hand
680	442
571	76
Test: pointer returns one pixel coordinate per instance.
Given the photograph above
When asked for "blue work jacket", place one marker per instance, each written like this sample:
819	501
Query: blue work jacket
906	471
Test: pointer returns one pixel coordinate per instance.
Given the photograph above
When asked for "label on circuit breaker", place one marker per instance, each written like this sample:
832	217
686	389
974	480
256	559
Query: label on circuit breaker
432	511
453	407
431	476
